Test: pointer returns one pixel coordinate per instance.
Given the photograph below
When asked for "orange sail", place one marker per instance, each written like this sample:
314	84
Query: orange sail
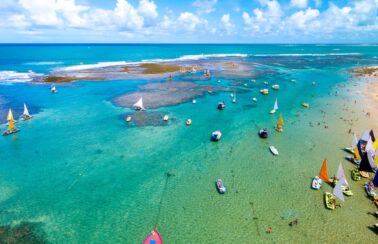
356	153
323	172
11	125
280	122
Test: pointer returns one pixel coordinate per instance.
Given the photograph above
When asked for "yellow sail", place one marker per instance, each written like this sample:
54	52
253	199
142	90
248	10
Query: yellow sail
11	125
357	154
10	115
280	122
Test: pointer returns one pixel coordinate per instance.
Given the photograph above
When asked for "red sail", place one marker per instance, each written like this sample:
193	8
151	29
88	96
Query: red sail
153	238
323	172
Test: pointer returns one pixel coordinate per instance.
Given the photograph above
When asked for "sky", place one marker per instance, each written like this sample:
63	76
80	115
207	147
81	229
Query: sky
192	21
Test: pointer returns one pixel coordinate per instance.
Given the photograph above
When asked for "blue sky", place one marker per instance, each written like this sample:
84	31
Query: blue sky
195	21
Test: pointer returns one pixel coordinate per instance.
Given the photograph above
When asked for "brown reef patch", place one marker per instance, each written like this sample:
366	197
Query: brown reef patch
25	233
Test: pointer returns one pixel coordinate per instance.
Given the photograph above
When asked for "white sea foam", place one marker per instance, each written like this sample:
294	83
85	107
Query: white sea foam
17	77
182	58
44	63
306	54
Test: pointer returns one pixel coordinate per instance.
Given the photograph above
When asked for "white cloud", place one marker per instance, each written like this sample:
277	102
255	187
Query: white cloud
205	6
19	21
301	18
189	20
227	25
299	3
247	18
147	9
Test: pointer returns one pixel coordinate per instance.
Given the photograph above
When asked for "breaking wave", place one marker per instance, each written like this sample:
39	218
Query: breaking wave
306	54
17	77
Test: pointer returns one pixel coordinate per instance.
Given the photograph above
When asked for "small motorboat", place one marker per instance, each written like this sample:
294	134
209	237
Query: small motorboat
220	186
129	119
153	238
221	106
306	105
210	91
266	83
316	183
216	135
166	117
188	122
254	99
276	87
347	192
273	150
329	200
194	101
231	94
353	160
369	187
264	91
263	133
355	175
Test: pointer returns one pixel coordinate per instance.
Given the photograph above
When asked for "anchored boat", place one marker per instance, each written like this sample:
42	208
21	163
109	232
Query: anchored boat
275	107
220	186
263	133
316	183
11	128
280	124
216	135
26	115
139	104
273	150
53	89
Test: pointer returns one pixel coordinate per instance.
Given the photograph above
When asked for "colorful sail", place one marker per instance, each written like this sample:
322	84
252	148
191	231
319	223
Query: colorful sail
11	125
10	115
340	173
375	181
337	191
357	154
323	172
26	111
153	238
280	122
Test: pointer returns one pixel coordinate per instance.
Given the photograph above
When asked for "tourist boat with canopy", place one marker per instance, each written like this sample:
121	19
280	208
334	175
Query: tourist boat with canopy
220	186
139	104
153	237
26	115
275	107
216	135
280	124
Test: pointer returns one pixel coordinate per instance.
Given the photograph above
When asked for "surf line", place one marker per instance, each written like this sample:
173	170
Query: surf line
168	175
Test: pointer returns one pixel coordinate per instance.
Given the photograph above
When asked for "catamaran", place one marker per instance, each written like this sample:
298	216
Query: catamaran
139	105
11	128
280	124
275	107
26	115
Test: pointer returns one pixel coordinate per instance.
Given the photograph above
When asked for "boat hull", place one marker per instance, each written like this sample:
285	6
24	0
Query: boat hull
10	132
273	150
220	186
330	201
316	183
153	238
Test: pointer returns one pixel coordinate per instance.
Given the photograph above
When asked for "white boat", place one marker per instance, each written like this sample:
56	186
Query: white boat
231	94
266	83
276	87
253	80
53	89
275	107
273	150
219	81
316	183
234	99
194	101
128	119
188	122
254	99
166	117
216	135
338	191
264	91
220	186
26	115
139	105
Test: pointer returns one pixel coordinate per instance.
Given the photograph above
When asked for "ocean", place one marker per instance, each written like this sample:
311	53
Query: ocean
78	173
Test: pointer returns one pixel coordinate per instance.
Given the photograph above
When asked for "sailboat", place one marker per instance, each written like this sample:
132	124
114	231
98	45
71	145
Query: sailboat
139	105
11	128
275	107
153	238
354	145
323	172
344	187
26	115
280	124
53	89
10	115
234	99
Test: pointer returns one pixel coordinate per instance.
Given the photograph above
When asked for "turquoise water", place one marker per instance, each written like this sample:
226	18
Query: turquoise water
84	176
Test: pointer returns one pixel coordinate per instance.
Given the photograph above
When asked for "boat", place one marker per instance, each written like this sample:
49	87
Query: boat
306	105
316	183
355	175
266	83
11	128
188	122
275	107
276	87
194	101
26	115
323	172
53	89
221	106
166	117
376	225
210	91
351	150
216	135
313	83
280	124
346	190
254	99
139	104
219	81
263	133
10	115
153	238
264	91
364	174
231	94
369	188
220	186
234	99
273	150
253	80
353	160
129	119
329	200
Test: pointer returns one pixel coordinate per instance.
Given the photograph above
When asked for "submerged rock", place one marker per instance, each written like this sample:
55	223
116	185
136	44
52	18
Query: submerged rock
25	232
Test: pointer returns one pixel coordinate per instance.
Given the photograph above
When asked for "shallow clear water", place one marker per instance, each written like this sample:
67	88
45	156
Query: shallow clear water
88	177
